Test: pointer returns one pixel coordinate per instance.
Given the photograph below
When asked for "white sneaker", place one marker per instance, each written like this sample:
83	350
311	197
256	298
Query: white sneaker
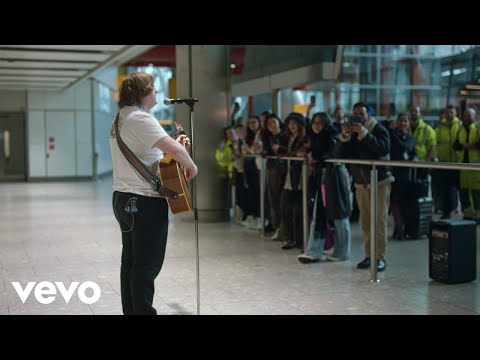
248	221
273	236
257	224
306	259
334	258
328	251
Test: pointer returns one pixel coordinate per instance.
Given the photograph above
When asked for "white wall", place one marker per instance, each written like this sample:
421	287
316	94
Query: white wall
37	161
84	163
47	113
88	109
104	110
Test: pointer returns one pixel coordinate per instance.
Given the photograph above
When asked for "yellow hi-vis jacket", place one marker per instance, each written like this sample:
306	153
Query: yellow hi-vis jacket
224	159
446	136
425	138
473	138
469	179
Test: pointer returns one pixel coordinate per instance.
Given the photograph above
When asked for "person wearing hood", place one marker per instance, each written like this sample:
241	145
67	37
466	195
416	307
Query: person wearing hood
275	172
294	144
334	202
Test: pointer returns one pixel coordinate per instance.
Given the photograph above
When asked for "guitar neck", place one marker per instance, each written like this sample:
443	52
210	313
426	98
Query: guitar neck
177	134
180	130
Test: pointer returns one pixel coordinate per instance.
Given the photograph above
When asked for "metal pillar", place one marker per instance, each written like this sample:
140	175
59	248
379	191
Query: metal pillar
305	208
373	224
262	195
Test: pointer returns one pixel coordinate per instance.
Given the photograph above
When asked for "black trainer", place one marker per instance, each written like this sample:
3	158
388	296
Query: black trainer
287	245
364	264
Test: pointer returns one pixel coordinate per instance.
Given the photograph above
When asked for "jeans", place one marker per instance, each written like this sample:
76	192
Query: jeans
144	240
341	247
315	246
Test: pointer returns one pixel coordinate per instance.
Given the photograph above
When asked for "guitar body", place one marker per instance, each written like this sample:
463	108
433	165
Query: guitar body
173	178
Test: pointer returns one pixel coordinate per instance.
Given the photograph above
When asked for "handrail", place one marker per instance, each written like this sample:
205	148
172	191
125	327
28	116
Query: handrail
411	164
278	157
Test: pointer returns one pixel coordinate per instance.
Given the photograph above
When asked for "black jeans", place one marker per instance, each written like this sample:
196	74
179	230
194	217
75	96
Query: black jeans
144	239
291	226
446	189
241	193
251	173
275	183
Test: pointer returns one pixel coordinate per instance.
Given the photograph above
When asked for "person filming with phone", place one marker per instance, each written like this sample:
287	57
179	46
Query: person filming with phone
362	137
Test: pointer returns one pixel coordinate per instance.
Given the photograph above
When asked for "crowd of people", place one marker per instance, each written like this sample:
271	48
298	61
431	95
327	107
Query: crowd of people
339	193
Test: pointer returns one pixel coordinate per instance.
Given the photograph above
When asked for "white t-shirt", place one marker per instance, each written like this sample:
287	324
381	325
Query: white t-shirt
139	131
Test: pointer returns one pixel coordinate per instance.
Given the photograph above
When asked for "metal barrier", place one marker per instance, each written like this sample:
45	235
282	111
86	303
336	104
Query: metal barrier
373	194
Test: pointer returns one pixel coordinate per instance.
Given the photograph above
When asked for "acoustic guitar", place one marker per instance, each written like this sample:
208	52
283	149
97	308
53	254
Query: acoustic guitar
172	176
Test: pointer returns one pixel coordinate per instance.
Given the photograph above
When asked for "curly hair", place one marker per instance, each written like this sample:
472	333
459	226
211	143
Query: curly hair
135	87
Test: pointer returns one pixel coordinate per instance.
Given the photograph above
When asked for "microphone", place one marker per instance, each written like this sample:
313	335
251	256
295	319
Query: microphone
168	101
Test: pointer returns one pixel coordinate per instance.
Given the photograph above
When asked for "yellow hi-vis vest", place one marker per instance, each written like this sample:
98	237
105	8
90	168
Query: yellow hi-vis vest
425	138
473	138
469	179
446	136
224	160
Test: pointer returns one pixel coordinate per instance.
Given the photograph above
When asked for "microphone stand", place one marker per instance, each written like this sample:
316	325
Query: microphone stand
191	103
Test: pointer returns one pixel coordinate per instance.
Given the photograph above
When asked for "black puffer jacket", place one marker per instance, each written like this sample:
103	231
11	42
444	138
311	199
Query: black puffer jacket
374	146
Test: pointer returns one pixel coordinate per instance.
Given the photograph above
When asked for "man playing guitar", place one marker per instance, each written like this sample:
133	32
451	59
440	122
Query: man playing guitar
140	211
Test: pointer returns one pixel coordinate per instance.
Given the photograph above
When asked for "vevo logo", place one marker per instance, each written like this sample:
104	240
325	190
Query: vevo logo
45	291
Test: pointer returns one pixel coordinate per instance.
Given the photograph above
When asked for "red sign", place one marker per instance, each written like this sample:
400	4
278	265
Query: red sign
51	147
51	139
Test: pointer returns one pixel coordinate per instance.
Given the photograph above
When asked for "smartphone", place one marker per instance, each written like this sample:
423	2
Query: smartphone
313	99
354	120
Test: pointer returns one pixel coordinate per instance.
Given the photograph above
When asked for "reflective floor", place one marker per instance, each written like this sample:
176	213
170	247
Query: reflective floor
66	232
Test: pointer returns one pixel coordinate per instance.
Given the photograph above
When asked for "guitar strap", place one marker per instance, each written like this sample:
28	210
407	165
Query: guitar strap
153	180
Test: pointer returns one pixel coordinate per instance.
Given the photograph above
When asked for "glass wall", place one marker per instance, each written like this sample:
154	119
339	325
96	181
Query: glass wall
392	77
389	78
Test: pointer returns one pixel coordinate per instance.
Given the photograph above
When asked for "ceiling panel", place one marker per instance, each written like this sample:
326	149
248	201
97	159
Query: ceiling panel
102	48
32	83
46	65
52	55
48	72
36	78
58	66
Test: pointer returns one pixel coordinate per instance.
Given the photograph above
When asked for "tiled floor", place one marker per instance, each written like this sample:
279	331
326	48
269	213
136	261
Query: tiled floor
66	232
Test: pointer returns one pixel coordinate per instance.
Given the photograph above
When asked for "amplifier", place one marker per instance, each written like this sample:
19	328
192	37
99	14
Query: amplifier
453	250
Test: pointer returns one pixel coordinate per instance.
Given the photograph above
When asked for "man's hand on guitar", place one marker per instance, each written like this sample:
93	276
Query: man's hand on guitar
184	140
191	172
